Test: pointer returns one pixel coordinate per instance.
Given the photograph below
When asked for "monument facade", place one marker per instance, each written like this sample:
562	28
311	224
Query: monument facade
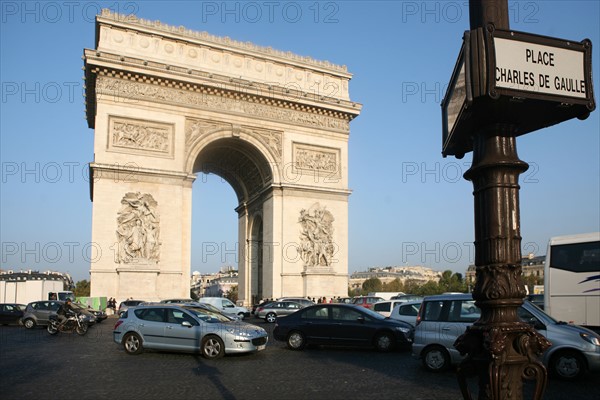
167	103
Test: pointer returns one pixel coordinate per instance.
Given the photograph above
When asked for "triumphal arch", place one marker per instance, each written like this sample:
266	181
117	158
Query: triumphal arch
167	103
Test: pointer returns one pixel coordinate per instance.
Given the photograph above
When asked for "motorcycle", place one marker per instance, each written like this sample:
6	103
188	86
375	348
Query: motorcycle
74	322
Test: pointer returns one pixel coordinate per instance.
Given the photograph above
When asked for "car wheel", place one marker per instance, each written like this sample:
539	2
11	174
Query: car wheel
567	365
29	323
436	359
296	340
241	316
384	342
132	343
212	347
270	317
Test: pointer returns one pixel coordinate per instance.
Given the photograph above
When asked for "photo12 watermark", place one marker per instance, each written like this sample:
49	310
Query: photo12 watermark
453	12
253	12
64	172
52	12
451	172
41	92
449	252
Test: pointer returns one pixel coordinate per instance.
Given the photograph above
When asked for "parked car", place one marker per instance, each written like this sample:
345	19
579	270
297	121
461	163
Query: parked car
11	313
124	305
38	313
407	312
385	307
537	299
206	306
345	300
343	325
271	311
366	301
443	318
177	301
94	315
407	297
187	328
301	300
226	306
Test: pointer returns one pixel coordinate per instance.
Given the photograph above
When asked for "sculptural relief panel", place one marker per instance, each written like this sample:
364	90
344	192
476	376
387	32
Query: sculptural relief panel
139	136
316	247
316	160
138	230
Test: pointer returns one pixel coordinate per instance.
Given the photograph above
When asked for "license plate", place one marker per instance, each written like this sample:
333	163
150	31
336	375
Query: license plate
261	347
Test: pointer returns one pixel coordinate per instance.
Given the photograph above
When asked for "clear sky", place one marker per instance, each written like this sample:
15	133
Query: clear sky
409	205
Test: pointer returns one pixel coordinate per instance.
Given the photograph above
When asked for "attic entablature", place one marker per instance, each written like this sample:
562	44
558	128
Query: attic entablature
154	41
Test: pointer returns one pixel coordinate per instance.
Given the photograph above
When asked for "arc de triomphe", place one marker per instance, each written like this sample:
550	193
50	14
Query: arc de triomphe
167	103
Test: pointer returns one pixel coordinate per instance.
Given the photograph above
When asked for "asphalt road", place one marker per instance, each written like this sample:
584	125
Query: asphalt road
34	364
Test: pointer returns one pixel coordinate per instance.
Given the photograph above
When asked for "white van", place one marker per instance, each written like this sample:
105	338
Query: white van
443	318
226	306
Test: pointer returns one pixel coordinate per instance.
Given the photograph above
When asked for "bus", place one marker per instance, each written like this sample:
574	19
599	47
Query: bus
572	279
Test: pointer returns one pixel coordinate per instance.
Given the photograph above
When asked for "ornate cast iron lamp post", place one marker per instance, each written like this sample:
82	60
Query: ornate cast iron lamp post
484	114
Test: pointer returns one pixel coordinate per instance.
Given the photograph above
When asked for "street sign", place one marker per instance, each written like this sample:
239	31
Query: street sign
459	96
524	80
536	66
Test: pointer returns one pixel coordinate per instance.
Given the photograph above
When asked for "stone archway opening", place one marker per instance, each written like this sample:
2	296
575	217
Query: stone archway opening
238	163
249	174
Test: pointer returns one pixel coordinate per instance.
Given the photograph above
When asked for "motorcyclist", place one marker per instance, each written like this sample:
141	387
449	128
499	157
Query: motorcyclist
65	311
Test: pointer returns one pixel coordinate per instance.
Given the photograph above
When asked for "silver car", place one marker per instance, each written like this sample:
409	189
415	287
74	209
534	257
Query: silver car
406	312
274	309
443	318
186	328
38	312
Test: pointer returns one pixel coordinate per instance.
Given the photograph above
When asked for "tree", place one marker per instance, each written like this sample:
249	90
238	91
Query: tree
372	285
452	282
232	294
82	289
393	286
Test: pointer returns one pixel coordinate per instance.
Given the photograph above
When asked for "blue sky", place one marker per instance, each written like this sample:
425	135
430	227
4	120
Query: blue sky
409	205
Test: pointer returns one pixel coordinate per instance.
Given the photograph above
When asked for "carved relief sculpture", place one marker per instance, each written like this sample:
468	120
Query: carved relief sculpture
318	160
138	230
151	138
316	237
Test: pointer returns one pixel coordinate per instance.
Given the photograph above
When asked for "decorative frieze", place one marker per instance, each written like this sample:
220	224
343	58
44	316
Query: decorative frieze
138	230
316	236
139	136
323	161
199	97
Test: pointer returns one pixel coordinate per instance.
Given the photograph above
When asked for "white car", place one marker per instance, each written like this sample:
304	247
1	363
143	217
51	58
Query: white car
385	307
406	312
226	306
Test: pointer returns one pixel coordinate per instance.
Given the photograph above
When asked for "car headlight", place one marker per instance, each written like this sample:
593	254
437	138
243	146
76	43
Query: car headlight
590	338
403	329
237	332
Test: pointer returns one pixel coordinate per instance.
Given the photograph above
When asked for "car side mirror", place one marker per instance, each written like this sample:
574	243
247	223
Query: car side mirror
361	320
186	324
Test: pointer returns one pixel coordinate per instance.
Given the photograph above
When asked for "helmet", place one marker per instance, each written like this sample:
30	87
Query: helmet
68	300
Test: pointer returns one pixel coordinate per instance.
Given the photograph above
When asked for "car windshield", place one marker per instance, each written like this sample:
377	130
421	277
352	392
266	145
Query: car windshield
372	314
208	316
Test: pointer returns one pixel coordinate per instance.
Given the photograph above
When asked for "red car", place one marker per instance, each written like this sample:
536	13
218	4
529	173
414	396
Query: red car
366	301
